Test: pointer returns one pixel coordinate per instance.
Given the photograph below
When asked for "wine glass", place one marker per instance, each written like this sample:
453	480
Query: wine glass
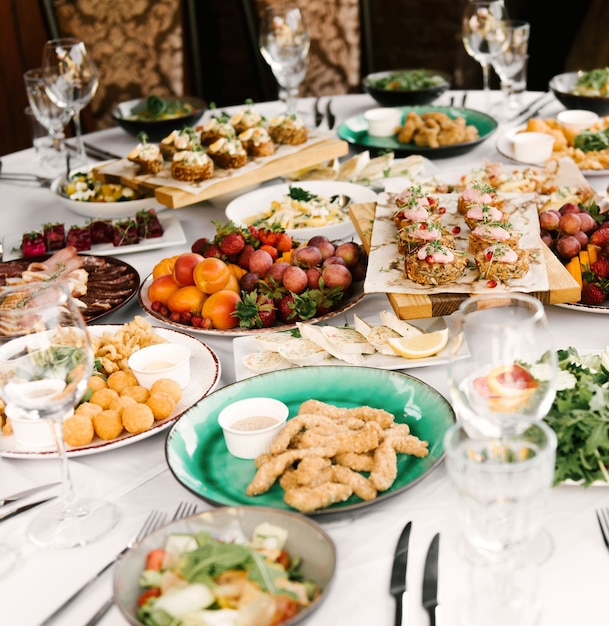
481	32
52	117
284	44
507	380
510	63
46	359
503	486
71	81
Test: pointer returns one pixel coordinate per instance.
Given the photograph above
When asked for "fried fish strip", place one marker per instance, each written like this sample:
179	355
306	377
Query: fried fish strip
342	439
293	427
362	486
355	461
385	469
307	476
309	499
366	413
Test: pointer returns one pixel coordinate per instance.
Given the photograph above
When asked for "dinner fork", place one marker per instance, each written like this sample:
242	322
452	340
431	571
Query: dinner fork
602	515
152	522
184	510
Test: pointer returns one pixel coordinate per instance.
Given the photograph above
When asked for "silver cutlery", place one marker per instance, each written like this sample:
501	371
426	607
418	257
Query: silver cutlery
23	177
24	508
95	153
184	510
25	493
152	522
602	515
319	116
430	582
398	577
330	114
531	106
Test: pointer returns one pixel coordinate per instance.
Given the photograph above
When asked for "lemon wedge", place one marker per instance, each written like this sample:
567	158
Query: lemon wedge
420	346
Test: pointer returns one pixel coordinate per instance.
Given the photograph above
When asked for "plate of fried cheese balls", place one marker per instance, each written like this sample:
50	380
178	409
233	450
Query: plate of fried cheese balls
115	410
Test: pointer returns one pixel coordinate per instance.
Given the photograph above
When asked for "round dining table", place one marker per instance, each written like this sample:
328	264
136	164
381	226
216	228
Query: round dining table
571	586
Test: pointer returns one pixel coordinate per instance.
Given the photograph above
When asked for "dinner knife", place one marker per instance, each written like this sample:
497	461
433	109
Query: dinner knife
24	508
25	493
330	114
319	116
398	577
530	107
430	581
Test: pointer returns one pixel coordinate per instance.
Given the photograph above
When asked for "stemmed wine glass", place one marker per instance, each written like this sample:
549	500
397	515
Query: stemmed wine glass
284	44
52	117
481	32
71	79
46	359
508	378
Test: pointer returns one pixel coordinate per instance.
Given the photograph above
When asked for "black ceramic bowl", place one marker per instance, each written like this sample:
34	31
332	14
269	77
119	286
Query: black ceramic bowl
562	86
132	117
395	88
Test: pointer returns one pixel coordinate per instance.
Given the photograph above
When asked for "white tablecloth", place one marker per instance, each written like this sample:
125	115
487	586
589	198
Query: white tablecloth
572	586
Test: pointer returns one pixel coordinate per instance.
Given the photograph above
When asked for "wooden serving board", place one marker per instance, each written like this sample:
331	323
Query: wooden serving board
175	198
563	287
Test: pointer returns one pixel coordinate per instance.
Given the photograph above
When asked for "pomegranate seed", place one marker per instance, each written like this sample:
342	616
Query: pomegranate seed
442	210
456	230
491	284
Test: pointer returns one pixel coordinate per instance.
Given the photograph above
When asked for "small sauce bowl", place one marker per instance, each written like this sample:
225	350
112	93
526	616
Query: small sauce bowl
532	147
163	360
577	119
383	121
31	433
250	425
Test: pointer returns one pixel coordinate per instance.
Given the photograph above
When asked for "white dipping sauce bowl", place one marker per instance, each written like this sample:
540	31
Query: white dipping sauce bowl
383	121
248	444
578	119
532	147
30	433
163	360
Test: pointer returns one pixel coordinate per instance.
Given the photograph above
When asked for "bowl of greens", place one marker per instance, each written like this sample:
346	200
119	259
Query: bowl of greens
406	87
156	116
583	90
233	565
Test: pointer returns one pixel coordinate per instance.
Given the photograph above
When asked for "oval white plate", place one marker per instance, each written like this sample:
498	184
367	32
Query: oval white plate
205	374
258	201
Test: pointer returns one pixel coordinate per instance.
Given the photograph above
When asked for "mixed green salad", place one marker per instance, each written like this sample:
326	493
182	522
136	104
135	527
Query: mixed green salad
198	580
580	417
407	80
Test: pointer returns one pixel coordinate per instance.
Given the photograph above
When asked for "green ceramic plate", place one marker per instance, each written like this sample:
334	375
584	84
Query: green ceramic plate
197	455
355	131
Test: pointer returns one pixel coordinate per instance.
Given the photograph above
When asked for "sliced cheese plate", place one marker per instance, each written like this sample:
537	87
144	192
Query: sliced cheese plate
563	287
173	194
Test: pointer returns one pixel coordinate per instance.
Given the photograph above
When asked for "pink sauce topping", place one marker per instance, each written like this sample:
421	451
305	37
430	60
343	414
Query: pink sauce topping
484	212
475	195
501	254
485	231
437	254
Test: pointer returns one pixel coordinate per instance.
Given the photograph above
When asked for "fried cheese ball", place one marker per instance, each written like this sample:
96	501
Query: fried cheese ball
120	379
96	382
103	397
167	385
121	402
78	430
137	392
137	418
161	404
107	424
88	408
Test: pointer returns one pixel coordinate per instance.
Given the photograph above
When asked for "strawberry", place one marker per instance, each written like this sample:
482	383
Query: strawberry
600	268
592	294
33	244
600	236
294	308
284	242
271	250
213	250
200	245
243	260
232	244
54	236
255	311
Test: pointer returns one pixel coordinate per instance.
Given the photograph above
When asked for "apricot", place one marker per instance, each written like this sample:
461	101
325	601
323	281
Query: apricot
165	266
211	275
189	298
184	268
220	307
161	288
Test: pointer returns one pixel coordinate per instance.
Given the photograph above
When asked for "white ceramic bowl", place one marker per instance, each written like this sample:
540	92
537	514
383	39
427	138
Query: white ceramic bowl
532	147
31	434
251	424
109	210
383	122
578	119
163	360
243	208
305	539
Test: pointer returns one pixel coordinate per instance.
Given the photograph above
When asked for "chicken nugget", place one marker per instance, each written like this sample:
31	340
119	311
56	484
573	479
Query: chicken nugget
137	392
121	379
409	444
268	472
162	404
385	468
366	413
107	424
363	462
137	418
167	385
78	430
293	427
292	478
88	408
362	487
342	439
309	499
103	397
